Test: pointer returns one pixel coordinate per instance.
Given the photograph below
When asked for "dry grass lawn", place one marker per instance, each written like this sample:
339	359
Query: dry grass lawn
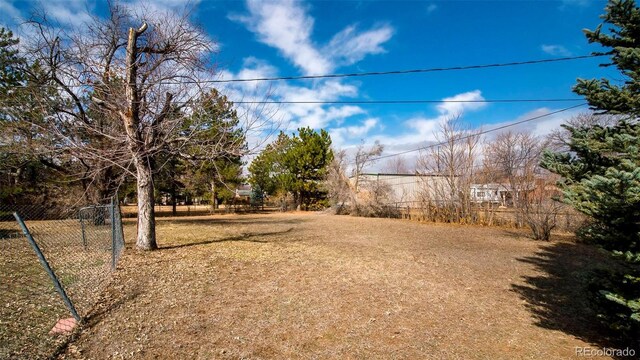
323	286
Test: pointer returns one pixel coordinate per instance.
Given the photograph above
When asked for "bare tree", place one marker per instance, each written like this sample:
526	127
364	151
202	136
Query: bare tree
558	140
397	165
375	199
133	83
364	157
541	207
453	161
514	158
337	182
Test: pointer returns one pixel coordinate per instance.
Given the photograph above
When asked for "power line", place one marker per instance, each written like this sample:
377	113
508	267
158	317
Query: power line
364	102
367	102
412	71
370	73
479	133
436	174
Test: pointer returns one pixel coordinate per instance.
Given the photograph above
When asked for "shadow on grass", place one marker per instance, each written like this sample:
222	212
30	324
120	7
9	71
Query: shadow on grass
101	310
245	220
201	212
249	237
558	296
107	305
9	234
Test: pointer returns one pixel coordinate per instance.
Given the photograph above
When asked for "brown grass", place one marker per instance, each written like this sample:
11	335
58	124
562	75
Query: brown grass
322	286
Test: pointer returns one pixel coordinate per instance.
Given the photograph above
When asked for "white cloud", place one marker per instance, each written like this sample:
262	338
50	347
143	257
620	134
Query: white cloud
68	13
289	117
339	135
60	13
474	102
316	116
348	46
253	68
541	127
423	128
286	26
431	8
9	14
556	50
581	3
363	129
343	112
423	131
161	6
418	131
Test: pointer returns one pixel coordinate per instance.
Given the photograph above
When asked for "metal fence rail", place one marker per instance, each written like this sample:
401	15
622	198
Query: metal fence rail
53	267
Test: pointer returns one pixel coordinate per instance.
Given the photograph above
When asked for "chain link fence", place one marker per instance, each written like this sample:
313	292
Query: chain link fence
53	266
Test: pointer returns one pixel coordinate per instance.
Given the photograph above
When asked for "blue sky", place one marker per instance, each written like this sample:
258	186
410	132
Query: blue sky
272	38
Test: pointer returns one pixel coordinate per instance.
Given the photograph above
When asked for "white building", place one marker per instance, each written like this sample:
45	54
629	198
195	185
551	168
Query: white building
491	193
407	189
243	191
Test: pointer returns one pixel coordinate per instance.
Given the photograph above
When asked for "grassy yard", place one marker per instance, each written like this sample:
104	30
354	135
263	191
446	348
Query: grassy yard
322	286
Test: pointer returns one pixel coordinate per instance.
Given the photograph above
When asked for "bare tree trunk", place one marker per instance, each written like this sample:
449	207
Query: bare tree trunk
214	200
296	200
174	200
146	239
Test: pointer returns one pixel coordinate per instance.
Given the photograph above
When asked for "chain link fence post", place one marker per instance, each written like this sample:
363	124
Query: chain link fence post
47	267
112	210
84	235
55	263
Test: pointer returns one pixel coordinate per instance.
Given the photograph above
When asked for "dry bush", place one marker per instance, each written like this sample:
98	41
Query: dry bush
447	196
374	200
540	207
542	217
337	184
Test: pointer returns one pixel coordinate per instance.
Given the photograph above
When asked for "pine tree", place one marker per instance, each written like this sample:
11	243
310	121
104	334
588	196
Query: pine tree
219	173
601	171
307	161
295	165
27	174
267	169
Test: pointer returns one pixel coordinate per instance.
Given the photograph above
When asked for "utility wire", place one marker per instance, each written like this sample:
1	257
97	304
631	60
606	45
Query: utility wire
412	71
370	73
479	133
481	166
364	102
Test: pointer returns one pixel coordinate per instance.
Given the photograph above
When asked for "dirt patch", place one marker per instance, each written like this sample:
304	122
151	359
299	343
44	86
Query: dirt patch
322	286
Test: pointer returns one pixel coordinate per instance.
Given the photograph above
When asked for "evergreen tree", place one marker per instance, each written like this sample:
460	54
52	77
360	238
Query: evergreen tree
295	165
27	173
307	161
216	176
601	171
11	63
268	169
